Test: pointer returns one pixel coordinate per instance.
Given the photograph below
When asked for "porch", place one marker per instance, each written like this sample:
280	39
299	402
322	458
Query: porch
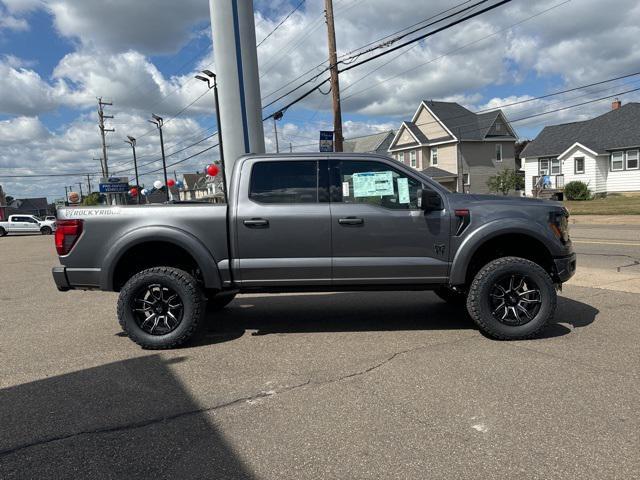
552	187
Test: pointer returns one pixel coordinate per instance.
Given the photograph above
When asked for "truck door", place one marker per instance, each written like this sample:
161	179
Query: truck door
283	223
379	234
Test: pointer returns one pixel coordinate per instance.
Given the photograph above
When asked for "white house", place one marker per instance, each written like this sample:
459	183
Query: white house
602	152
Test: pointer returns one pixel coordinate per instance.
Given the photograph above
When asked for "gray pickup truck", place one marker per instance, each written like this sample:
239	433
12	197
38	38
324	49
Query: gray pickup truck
320	222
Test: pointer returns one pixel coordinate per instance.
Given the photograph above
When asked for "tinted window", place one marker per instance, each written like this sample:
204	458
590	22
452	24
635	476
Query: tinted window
284	182
376	183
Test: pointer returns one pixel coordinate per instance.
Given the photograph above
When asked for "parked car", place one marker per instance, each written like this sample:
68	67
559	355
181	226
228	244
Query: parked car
26	224
315	222
50	218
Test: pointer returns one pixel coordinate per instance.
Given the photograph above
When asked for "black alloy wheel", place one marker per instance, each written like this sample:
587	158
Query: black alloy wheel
515	299
158	309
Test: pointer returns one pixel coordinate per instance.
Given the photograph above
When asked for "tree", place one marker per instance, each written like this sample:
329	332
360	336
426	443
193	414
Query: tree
91	199
505	181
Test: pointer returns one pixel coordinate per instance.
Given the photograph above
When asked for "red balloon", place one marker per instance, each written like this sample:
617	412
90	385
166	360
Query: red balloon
171	182
133	192
213	170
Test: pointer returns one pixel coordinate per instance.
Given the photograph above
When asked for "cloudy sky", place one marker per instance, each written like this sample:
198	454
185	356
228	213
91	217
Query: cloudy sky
57	56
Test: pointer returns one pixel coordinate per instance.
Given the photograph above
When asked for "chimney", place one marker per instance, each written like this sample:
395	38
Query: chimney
616	104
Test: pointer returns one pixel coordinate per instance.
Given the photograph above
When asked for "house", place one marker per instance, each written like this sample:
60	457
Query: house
455	146
199	186
376	143
29	206
601	152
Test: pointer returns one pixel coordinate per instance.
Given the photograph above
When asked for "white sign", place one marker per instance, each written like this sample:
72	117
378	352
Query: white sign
403	190
372	184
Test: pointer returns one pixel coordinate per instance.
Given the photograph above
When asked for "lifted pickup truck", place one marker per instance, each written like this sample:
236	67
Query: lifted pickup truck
27	224
318	222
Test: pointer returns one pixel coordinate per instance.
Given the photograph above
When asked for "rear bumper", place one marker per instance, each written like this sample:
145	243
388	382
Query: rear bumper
565	267
76	278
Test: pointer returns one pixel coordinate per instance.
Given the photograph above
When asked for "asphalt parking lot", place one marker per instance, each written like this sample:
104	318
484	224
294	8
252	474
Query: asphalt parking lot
345	385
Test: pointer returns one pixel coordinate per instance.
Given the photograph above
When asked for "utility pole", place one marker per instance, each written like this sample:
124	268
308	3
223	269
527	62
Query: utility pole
89	183
158	122
335	82
132	141
66	194
290	147
103	130
276	116
80	185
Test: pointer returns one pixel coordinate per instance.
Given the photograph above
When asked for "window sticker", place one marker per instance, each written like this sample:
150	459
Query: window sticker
345	189
372	184
403	190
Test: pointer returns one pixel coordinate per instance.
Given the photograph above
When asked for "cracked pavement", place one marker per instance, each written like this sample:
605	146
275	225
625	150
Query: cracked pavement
344	385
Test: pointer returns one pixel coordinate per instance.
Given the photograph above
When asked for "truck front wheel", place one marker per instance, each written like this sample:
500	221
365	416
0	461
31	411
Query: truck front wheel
3	232
511	298
161	307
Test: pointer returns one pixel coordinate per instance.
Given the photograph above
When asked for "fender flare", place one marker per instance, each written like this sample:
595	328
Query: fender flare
493	229
161	233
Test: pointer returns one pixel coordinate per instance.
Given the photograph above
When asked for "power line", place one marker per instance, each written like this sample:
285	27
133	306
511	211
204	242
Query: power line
181	161
280	24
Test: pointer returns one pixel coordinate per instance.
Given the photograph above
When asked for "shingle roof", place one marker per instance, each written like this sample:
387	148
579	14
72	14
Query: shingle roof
29	204
435	172
422	138
378	142
194	180
463	123
614	129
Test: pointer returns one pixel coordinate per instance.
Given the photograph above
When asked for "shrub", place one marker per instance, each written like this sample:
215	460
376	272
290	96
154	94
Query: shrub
577	191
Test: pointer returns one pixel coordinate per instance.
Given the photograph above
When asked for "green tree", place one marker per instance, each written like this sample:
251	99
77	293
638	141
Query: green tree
505	181
91	199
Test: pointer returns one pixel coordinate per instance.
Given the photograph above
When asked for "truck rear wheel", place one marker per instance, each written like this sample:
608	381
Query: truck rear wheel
161	307
512	298
45	231
3	232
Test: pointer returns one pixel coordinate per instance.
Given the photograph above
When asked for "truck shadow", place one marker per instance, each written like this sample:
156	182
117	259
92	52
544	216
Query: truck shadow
127	419
361	312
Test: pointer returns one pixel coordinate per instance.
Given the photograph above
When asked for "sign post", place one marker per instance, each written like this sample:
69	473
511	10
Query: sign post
326	141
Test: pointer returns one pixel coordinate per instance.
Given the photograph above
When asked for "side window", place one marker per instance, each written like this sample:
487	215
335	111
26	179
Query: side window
375	183
284	182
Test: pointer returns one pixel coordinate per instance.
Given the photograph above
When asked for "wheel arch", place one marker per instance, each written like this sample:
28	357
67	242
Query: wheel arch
183	247
498	239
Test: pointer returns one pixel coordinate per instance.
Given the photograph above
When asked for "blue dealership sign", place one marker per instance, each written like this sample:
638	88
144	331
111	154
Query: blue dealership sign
326	141
114	185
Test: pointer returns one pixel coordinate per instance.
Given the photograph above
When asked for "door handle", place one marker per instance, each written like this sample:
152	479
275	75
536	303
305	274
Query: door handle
350	221
256	223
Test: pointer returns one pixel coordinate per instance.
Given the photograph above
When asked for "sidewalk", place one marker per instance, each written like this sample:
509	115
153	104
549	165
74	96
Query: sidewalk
605	219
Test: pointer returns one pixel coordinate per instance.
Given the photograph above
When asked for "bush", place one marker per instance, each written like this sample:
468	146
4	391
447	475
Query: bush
577	191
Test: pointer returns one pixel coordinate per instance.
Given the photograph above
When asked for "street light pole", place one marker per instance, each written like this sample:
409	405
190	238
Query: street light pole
210	76
276	116
132	141
157	121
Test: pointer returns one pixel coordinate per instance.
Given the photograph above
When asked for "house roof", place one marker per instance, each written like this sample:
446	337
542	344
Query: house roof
609	131
30	204
194	180
435	172
463	123
378	142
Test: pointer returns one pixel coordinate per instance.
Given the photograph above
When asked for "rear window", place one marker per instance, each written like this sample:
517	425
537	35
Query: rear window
284	182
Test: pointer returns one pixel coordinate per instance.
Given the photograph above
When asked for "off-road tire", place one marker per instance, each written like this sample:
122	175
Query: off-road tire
3	232
217	301
46	231
190	294
478	299
451	296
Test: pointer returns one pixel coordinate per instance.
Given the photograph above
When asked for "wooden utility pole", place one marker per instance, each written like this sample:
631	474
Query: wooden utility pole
335	82
89	183
103	130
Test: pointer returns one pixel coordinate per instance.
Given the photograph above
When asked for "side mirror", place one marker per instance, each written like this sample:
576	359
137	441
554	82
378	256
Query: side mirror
429	201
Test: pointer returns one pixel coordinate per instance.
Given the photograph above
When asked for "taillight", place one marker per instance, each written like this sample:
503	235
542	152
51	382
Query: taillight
67	235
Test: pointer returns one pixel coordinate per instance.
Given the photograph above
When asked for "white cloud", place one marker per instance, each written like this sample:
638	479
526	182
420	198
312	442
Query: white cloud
23	91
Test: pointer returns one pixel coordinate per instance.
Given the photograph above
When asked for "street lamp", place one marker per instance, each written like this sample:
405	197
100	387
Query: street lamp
132	141
277	116
157	121
210	76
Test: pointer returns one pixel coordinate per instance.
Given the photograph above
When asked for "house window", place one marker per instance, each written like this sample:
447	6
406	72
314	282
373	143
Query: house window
579	164
465	179
555	166
544	166
498	127
412	155
401	157
434	156
617	161
498	152
632	159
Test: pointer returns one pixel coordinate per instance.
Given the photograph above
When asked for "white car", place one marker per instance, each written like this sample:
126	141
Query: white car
27	224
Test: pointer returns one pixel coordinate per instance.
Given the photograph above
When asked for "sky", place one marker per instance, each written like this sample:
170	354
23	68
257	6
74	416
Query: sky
58	56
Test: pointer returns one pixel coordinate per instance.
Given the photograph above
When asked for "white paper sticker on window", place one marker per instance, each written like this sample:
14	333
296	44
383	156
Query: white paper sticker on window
403	190
345	189
372	184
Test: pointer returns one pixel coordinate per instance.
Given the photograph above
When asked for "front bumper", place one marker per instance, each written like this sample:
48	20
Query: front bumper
565	267
76	278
